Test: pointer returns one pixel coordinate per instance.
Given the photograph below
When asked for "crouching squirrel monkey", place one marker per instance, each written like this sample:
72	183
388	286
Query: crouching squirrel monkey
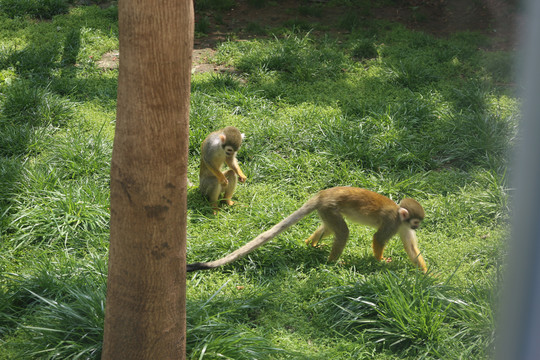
358	205
220	147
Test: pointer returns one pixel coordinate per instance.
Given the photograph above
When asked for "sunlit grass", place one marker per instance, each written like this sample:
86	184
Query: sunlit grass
398	112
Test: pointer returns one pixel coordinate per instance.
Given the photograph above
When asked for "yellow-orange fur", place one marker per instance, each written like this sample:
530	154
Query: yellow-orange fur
356	204
220	147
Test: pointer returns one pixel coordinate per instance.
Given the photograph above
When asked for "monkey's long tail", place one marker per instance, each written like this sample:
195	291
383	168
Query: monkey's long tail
261	239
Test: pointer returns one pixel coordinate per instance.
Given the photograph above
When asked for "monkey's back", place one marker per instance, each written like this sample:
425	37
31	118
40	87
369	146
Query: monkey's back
357	204
212	155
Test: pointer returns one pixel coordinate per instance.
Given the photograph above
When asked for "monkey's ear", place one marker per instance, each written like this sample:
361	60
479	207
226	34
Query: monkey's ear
223	138
403	214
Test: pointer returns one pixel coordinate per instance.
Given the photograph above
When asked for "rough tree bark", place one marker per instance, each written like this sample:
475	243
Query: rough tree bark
145	309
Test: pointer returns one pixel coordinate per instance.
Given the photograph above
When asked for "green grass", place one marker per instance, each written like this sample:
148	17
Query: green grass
395	111
42	9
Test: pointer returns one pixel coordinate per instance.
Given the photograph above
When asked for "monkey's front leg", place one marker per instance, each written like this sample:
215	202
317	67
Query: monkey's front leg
222	179
410	243
233	164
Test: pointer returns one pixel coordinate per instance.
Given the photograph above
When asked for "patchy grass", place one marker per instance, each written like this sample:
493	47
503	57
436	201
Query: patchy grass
391	110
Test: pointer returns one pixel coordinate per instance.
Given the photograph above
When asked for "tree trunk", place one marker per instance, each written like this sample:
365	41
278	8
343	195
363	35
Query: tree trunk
145	310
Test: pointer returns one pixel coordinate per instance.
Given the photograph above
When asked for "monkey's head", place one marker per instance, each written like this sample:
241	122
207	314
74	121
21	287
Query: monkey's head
411	211
231	140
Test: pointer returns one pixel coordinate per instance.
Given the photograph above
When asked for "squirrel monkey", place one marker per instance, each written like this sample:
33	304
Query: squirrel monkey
358	205
220	147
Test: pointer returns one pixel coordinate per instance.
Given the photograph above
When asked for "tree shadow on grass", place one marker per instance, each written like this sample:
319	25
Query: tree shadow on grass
43	84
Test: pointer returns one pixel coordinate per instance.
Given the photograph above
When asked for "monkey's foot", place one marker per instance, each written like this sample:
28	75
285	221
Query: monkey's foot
228	202
215	208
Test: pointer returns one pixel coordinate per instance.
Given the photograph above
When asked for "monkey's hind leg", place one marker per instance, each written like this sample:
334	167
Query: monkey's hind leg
211	188
335	223
229	189
318	235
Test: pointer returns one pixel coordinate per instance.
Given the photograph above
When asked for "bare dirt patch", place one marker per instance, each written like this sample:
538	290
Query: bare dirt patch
109	60
201	63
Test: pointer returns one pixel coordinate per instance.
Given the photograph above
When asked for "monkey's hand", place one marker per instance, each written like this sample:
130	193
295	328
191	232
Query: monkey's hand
224	182
242	179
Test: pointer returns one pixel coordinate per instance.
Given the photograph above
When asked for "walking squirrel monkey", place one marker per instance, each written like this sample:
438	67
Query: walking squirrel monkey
358	205
220	147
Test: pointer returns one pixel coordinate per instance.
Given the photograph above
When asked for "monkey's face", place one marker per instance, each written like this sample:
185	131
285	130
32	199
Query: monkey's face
414	223
232	140
414	212
229	150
